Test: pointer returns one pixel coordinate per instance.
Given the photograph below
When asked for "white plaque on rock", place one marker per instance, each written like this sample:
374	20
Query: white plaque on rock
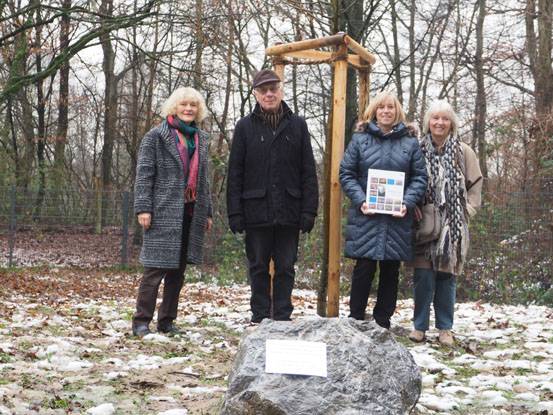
295	357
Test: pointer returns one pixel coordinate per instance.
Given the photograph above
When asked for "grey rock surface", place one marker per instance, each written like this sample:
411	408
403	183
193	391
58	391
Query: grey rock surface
368	372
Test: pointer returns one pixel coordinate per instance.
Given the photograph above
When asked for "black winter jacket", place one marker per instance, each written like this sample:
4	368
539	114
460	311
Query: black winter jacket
271	174
381	236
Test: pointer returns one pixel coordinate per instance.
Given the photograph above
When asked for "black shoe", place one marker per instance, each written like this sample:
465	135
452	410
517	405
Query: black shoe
141	330
385	324
169	328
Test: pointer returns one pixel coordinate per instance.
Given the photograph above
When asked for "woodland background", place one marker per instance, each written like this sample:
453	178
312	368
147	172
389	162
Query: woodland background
81	82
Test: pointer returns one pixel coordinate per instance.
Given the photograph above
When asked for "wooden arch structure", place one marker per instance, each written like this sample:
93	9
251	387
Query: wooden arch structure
305	52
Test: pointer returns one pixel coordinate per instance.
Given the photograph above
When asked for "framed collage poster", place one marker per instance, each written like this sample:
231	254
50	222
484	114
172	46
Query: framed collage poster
385	191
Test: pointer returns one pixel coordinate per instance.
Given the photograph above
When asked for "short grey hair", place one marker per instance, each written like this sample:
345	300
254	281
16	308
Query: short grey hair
441	105
169	107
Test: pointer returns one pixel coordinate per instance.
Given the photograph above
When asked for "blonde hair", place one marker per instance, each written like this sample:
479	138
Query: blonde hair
169	107
370	113
440	105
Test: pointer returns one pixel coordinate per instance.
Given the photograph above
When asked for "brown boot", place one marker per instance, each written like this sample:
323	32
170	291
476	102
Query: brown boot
417	336
446	338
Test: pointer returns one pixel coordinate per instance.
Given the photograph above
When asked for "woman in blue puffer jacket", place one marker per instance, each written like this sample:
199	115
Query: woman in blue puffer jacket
382	142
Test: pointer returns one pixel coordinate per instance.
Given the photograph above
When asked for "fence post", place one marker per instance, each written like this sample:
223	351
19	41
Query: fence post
12	227
125	231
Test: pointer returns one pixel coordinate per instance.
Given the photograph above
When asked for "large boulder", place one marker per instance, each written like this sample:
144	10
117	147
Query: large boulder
368	372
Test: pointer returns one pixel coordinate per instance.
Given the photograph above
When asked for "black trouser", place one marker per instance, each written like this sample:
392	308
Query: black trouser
281	244
173	280
361	281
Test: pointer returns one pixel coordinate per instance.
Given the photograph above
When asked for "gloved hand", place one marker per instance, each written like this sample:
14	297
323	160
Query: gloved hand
236	223
307	221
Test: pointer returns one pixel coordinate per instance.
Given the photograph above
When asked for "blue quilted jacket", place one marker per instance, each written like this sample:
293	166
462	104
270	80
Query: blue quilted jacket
381	236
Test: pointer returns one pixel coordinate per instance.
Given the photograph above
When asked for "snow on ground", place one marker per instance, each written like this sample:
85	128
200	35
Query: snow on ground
72	352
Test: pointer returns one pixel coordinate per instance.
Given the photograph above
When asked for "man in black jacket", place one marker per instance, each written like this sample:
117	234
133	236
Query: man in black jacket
272	194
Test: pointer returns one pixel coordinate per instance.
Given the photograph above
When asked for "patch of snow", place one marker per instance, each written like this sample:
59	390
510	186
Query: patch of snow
496	354
546	386
438	403
103	409
190	319
143	362
115	375
456	390
527	396
120	325
493	398
162	399
518	364
177	360
464	359
428	362
429	380
154	337
114	361
545	406
176	411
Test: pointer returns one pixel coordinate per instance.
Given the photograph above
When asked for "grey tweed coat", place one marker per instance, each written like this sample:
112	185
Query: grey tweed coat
159	189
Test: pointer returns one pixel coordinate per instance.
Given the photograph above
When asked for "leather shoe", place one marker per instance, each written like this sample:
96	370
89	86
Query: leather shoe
141	330
446	338
169	328
417	336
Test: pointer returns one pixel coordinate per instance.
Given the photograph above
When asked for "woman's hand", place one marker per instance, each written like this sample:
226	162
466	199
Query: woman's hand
401	213
145	220
208	224
365	209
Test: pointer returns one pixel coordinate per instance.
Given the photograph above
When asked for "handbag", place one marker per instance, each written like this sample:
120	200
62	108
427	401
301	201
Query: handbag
429	227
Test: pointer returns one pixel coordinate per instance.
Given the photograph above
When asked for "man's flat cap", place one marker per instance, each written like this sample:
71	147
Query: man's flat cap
263	77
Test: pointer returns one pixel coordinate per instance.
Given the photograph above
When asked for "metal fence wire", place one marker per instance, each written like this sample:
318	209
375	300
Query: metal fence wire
511	236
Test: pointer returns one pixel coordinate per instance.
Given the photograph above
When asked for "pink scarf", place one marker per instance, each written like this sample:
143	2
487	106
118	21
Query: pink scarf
193	166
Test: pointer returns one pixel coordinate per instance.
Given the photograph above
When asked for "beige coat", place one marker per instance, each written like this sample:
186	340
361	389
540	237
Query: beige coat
473	187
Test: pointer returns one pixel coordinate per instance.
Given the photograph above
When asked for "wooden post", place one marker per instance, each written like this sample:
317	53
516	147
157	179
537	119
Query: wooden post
338	132
278	66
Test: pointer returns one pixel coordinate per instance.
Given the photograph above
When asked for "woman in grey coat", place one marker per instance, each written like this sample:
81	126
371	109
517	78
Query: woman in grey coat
173	205
383	142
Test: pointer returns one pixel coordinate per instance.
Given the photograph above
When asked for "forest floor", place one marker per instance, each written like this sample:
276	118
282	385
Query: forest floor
66	347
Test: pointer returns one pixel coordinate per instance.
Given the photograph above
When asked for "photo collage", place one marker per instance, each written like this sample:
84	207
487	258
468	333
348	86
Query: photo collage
385	191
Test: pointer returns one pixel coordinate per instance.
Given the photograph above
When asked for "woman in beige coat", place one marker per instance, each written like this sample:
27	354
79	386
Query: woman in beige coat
452	196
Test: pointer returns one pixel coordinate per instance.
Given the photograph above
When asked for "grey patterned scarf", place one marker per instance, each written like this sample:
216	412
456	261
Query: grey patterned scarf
447	191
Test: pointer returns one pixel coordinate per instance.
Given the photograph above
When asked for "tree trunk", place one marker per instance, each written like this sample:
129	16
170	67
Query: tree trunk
41	131
110	108
197	81
539	49
397	56
63	105
412	66
354	27
480	105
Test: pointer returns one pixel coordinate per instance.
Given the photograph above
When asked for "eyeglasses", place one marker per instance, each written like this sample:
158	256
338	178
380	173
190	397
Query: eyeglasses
263	89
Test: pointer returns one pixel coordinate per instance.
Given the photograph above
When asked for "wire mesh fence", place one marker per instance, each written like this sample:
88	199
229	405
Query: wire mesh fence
510	256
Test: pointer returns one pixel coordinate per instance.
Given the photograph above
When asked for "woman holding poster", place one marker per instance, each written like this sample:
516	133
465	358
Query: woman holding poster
442	237
379	225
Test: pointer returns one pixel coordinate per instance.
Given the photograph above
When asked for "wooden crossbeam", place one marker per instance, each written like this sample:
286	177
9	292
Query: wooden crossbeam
312	56
360	50
333	40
